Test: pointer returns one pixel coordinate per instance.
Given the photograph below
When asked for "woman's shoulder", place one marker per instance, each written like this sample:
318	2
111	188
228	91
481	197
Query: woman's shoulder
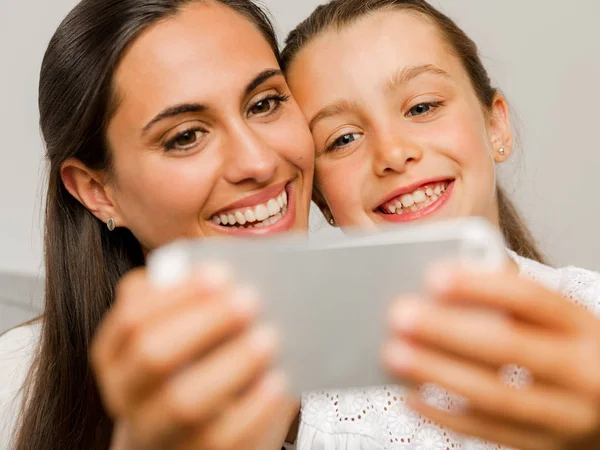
581	286
17	349
17	346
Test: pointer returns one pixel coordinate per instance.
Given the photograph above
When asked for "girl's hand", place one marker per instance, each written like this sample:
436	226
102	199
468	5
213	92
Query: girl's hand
187	368
479	323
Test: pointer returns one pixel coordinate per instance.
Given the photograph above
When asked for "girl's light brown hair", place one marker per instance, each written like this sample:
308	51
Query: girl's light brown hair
339	14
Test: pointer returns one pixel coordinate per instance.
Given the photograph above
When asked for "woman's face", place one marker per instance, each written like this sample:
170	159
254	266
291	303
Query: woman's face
399	132
206	139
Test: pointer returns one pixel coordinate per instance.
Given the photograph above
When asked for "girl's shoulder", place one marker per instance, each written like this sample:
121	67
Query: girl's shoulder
581	286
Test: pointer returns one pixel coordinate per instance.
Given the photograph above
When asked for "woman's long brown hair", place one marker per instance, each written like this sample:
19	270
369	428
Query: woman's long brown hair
338	14
83	260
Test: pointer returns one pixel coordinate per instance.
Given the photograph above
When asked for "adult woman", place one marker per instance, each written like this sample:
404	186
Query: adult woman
162	119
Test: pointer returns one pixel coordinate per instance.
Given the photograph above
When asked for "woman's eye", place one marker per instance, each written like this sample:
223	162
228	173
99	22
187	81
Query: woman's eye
267	105
187	138
422	108
344	140
262	107
184	140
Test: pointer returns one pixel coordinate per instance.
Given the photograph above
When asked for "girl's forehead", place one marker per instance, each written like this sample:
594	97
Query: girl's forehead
373	51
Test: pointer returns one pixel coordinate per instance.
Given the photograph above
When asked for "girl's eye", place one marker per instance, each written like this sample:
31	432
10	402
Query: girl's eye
343	141
422	108
185	140
268	105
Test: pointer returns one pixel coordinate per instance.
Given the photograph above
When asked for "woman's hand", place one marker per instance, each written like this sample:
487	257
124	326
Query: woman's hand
474	324
187	368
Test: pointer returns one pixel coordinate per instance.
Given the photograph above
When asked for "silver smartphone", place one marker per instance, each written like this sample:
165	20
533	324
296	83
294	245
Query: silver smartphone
329	296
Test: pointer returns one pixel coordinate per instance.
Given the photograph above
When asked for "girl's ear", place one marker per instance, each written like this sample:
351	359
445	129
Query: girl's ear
499	129
320	201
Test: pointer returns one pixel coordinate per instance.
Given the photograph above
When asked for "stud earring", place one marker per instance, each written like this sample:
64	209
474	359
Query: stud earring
111	224
332	221
501	151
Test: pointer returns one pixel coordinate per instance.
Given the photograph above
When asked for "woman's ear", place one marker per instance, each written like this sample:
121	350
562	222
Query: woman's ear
89	188
320	201
499	129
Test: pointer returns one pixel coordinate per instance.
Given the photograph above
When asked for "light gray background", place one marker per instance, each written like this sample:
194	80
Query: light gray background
544	55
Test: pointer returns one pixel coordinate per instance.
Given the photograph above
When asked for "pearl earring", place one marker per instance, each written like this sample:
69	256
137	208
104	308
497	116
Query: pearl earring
111	224
331	222
501	151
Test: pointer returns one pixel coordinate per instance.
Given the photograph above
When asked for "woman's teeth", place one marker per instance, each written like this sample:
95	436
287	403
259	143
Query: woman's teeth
259	216
417	200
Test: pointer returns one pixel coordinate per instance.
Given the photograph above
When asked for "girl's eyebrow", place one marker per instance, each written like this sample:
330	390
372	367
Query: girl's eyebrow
406	74
401	77
333	109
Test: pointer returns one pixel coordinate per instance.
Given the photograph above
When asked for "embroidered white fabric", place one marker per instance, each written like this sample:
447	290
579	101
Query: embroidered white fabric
378	418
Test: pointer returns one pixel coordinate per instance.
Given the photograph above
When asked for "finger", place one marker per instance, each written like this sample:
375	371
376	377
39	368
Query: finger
203	390
506	292
540	405
488	337
107	337
484	427
250	420
137	303
164	347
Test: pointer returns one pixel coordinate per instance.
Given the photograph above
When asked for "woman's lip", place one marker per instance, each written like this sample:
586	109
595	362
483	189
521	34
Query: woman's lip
286	223
255	199
422	213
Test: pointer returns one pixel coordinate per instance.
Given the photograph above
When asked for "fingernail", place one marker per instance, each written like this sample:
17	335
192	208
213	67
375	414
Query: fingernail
406	315
245	301
215	275
399	356
264	339
439	278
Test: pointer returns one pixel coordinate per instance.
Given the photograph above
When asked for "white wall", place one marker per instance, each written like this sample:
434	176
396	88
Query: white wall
25	29
543	54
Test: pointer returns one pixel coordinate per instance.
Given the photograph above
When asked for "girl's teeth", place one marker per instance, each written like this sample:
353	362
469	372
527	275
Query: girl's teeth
418	199
231	219
419	196
217	220
407	200
224	220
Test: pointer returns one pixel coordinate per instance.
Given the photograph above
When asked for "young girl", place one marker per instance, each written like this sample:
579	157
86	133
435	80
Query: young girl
407	127
162	119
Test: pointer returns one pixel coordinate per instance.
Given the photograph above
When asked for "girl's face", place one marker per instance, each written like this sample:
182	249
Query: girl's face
399	132
206	139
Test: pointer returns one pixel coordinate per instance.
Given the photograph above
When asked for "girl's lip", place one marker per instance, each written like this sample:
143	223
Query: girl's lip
422	213
411	188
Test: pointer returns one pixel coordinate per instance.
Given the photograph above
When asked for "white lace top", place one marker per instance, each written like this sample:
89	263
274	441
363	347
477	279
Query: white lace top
359	419
377	418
